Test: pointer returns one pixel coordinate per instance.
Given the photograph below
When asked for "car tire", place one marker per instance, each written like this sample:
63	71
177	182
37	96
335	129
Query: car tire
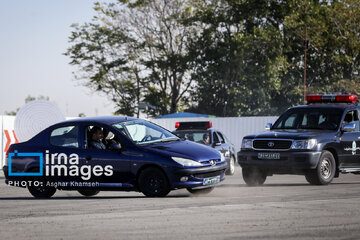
325	170
88	192
41	191
231	169
254	176
153	182
200	191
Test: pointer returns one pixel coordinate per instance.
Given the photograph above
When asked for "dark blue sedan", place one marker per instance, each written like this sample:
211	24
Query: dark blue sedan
111	154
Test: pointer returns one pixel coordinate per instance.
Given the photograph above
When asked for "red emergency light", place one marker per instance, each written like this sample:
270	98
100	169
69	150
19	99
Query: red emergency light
193	125
331	98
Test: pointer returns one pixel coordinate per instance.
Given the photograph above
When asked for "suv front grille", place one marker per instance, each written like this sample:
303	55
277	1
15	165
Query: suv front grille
272	144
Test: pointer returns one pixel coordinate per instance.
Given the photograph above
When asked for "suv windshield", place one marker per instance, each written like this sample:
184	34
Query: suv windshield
310	118
143	132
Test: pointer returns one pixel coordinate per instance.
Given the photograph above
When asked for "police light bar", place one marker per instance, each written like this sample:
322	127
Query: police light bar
193	125
331	98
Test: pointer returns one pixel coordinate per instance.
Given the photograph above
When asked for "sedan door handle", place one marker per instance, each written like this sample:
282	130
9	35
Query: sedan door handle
88	158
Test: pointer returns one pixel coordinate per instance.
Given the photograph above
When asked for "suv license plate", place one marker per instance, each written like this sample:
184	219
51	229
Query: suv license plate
212	180
268	155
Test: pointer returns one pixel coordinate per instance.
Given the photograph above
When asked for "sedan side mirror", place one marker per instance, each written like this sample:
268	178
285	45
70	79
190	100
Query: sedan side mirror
350	127
268	126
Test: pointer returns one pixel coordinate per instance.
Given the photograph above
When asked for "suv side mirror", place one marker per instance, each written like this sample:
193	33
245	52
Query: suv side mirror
268	126
350	127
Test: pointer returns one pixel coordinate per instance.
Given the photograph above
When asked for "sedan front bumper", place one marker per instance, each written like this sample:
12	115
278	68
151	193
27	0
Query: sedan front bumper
198	177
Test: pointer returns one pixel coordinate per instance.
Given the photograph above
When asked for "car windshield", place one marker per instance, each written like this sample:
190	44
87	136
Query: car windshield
310	118
143	132
195	136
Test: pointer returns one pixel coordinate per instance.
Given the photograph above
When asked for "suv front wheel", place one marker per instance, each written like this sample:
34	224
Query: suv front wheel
254	176
325	170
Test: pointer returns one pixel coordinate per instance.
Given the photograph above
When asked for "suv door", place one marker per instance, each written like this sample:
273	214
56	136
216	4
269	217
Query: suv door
350	141
225	145
218	144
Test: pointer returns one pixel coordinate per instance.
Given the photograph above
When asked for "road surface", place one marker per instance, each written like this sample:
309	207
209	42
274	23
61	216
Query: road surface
286	207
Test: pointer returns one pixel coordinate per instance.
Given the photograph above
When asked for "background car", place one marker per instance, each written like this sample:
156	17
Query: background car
199	131
141	156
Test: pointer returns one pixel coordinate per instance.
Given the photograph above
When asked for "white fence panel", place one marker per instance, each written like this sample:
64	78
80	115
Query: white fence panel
235	128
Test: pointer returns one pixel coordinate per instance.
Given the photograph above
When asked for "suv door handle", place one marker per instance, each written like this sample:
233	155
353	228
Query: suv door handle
88	158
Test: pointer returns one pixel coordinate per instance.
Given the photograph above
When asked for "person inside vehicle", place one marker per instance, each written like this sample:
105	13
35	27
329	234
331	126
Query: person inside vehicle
96	135
348	118
331	122
206	139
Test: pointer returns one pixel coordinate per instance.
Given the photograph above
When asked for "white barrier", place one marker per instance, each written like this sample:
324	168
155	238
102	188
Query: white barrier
235	128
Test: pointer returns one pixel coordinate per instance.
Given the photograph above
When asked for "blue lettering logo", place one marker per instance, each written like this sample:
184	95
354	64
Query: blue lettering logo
16	154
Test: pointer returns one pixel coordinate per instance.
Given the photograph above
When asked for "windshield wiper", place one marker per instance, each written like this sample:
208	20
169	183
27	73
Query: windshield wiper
160	141
170	140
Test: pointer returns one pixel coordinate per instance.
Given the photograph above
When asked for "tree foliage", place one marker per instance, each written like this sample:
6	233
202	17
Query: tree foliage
219	57
135	51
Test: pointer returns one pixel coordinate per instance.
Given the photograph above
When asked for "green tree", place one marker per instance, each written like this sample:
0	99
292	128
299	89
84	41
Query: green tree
135	51
251	53
240	60
333	58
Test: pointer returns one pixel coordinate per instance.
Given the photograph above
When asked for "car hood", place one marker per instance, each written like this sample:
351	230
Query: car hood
185	149
292	134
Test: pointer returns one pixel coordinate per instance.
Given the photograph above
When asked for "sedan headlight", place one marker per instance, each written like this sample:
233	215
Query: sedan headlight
247	143
186	162
304	144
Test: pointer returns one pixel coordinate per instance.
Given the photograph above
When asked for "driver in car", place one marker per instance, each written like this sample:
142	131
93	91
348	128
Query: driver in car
97	135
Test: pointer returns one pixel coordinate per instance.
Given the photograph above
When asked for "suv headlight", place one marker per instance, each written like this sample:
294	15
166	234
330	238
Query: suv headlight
304	144
247	143
222	157
186	162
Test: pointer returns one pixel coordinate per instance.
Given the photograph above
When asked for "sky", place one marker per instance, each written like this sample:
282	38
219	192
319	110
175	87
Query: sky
34	35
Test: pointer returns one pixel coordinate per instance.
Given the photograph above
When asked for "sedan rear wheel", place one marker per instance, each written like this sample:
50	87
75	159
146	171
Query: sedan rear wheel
39	187
88	192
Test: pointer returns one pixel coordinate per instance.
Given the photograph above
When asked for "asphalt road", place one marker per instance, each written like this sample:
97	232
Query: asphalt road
286	207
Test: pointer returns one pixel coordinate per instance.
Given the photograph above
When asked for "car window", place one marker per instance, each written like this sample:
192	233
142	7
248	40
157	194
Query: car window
101	138
215	137
352	117
221	138
65	137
